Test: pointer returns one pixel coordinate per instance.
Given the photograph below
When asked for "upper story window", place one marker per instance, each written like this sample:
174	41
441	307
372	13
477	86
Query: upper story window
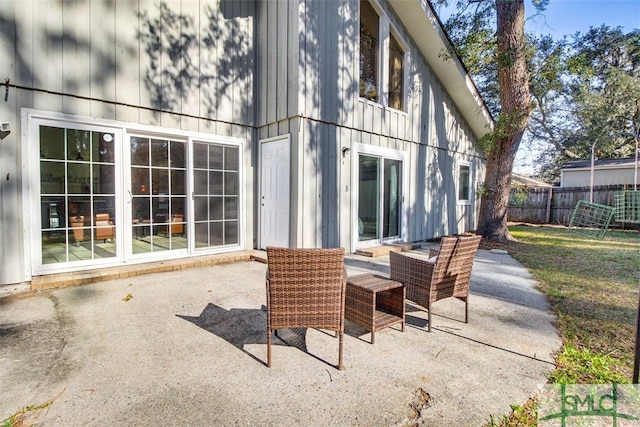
396	74
369	51
382	59
464	184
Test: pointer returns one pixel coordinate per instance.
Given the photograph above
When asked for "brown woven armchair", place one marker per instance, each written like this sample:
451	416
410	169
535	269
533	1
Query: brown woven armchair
428	281
305	289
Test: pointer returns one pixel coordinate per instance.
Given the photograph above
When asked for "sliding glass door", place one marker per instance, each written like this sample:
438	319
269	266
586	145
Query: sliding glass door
379	189
103	194
158	195
78	212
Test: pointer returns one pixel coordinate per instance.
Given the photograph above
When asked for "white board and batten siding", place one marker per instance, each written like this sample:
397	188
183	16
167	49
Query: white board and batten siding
99	60
322	57
246	69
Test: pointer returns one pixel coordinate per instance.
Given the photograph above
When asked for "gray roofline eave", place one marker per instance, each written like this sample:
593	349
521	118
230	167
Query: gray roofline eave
427	32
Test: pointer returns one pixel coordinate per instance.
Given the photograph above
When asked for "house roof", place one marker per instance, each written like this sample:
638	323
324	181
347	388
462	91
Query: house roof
432	40
527	181
599	164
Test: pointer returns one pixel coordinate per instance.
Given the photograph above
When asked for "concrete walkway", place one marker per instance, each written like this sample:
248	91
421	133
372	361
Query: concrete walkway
188	347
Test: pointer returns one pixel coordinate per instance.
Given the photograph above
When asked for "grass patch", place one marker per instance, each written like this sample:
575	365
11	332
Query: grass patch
574	366
19	418
592	286
525	415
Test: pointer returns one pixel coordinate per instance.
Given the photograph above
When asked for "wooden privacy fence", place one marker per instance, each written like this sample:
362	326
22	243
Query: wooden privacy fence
555	205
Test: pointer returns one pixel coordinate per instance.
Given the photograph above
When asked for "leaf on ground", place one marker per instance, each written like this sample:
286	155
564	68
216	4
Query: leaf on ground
127	298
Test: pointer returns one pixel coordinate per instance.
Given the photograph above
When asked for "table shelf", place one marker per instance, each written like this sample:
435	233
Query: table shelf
374	302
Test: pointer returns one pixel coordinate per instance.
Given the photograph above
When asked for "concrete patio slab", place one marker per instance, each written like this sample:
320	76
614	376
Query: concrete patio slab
188	347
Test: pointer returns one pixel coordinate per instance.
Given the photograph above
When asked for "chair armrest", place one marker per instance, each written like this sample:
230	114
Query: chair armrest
410	271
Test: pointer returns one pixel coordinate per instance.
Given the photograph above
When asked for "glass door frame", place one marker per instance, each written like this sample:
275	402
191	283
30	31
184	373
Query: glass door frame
383	154
129	196
32	192
32	120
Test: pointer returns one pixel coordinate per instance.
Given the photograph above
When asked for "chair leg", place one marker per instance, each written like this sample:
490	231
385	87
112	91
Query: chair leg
340	365
429	327
466	310
268	347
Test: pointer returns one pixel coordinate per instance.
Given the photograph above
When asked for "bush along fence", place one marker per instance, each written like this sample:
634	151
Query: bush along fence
555	205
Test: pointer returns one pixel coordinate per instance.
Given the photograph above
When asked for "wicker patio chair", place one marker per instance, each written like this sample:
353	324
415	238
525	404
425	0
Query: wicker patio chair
446	273
305	289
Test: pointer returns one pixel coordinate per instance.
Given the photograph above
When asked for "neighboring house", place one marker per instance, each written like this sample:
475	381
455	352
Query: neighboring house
144	131
527	182
577	173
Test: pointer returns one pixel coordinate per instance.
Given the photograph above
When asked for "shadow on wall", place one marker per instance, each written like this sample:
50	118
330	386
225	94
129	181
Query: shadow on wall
208	61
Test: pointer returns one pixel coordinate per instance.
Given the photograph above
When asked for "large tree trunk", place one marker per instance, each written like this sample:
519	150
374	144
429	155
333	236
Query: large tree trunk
515	105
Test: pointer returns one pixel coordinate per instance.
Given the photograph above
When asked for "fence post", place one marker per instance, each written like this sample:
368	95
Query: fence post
548	216
636	361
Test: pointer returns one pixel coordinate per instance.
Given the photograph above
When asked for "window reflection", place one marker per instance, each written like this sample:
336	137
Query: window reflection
216	185
158	187
77	195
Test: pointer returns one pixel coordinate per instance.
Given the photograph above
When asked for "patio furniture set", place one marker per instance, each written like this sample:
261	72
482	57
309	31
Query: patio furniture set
309	288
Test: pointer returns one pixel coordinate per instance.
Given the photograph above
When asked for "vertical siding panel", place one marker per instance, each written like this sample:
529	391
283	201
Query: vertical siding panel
293	59
312	60
190	96
261	27
298	153
309	178
103	69
170	92
23	46
350	66
345	189
330	97
221	102
76	67
48	21
282	62
391	123
359	115
323	184
224	129
248	91
11	223
416	101
342	35
302	48
231	70
149	9
272	58
367	117
128	84
237	58
379	121
206	61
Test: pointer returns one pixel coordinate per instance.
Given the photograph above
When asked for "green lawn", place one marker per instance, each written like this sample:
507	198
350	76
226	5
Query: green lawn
592	286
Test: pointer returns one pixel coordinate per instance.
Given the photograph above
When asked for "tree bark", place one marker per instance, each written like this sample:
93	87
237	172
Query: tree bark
515	102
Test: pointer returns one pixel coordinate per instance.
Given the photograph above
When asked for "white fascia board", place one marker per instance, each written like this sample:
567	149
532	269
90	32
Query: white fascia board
431	40
618	167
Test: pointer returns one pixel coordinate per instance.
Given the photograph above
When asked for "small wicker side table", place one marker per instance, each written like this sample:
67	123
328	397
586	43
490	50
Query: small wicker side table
374	302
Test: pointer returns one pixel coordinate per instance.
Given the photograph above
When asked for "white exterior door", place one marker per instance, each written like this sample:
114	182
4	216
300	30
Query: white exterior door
274	192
